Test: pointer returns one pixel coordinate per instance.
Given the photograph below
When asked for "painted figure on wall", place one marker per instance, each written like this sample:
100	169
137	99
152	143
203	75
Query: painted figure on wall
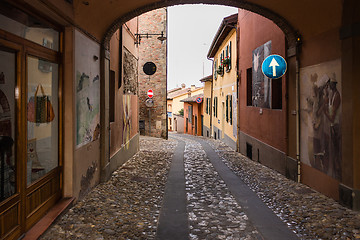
261	87
87	109
320	120
127	120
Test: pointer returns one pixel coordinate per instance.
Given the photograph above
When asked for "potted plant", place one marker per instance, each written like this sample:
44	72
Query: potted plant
220	70
226	62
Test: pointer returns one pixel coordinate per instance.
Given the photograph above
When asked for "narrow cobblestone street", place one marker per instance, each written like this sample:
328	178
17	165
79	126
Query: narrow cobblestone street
129	205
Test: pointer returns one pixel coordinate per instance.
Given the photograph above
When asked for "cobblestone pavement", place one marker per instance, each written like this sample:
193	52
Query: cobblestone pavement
128	205
310	214
213	211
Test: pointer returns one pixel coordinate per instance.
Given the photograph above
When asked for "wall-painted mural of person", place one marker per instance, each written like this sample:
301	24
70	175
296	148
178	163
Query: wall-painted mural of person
332	112
320	101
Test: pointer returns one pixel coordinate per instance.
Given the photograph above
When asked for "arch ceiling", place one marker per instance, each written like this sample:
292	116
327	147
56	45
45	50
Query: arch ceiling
308	17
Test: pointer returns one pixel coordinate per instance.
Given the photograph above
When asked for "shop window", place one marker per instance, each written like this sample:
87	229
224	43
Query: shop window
249	87
43	120
31	28
7	124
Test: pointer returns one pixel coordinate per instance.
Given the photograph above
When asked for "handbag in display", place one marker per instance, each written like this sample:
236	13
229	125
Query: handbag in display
39	108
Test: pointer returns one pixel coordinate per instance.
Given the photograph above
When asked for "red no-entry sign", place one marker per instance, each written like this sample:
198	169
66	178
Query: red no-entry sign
150	93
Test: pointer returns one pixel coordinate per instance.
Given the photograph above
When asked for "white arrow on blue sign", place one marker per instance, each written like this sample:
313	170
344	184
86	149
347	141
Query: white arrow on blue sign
274	66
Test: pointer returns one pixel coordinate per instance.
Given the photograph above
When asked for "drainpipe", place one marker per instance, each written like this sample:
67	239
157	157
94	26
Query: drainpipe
298	118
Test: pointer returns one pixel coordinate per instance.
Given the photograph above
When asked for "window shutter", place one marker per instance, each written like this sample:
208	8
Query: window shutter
227	108
230	55
214	107
209	100
231	109
215	69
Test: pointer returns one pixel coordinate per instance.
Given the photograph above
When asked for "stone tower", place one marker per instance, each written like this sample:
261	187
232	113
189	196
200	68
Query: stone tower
153	48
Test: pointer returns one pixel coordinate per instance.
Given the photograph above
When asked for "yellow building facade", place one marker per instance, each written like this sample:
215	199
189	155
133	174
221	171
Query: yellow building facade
224	84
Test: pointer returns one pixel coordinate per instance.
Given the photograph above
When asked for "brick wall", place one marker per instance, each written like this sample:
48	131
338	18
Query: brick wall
152	50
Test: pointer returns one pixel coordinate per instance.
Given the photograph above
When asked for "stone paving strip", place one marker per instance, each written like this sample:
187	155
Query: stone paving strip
125	207
308	213
213	211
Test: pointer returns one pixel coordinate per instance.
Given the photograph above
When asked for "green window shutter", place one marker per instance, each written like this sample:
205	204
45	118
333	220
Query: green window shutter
209	100
206	108
215	69
208	105
214	106
230	55
215	110
231	109
227	108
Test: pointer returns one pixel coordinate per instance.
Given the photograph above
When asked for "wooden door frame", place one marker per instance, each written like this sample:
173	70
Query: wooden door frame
24	48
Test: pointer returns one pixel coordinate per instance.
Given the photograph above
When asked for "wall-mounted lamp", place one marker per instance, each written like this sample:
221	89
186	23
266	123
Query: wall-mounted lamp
139	36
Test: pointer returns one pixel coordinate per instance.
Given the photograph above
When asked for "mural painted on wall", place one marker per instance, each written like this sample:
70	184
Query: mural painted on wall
261	87
130	73
87	108
320	101
87	89
127	120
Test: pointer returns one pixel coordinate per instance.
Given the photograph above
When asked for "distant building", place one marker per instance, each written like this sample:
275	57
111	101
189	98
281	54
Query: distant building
207	106
193	114
175	106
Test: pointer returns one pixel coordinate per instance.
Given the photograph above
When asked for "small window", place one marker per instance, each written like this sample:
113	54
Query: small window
276	93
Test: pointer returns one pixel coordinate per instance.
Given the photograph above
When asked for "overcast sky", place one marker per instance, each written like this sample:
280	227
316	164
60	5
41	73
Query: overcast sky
191	30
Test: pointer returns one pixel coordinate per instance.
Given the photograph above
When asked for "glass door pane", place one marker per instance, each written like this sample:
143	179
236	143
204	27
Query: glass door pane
42	118
7	124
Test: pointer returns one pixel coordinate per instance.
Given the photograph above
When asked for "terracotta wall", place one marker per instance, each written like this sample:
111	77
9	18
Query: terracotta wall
125	124
270	125
320	60
197	108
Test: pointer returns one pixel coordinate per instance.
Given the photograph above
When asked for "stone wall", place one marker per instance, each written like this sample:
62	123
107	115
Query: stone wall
153	50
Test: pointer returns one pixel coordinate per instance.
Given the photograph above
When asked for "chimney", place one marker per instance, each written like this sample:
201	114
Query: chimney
183	85
192	87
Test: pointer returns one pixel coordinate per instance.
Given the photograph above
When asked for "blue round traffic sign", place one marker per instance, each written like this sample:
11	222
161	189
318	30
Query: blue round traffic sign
274	66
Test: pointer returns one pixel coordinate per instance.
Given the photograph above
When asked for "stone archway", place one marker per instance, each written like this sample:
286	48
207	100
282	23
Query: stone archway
292	44
292	36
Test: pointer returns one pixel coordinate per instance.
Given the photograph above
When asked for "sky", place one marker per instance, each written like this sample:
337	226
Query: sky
191	30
